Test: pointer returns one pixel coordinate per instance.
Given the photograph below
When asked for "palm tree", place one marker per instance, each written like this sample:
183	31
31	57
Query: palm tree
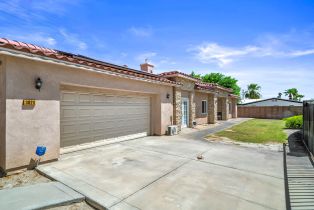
293	94
253	91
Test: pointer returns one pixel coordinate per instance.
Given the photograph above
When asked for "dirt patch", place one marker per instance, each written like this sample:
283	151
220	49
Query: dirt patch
274	146
204	126
25	178
74	206
216	138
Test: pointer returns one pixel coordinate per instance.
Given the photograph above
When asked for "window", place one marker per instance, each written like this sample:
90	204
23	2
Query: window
204	107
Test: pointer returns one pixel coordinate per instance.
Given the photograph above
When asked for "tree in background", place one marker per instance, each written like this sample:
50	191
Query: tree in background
293	94
198	76
220	79
253	91
279	95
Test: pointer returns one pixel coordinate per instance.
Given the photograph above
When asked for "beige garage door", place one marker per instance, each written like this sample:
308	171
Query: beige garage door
88	117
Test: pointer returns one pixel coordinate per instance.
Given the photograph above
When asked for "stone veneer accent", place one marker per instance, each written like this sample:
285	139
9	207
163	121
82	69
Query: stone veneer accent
189	87
225	108
212	108
177	105
234	108
191	108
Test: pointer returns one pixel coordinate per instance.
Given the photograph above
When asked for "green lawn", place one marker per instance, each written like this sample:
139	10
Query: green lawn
256	131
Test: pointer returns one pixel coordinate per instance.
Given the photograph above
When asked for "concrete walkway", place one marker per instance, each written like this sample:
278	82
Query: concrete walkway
221	125
38	196
164	173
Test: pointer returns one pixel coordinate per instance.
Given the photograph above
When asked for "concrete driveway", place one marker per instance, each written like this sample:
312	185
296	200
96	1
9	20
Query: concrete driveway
164	173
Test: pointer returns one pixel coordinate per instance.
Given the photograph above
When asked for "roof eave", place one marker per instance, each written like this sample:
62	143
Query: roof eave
32	56
178	74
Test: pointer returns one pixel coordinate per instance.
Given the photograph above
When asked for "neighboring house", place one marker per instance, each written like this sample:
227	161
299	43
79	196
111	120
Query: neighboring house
271	108
270	102
248	100
60	100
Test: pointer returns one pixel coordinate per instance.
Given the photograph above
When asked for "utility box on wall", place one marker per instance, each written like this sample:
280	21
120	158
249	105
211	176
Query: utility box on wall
172	130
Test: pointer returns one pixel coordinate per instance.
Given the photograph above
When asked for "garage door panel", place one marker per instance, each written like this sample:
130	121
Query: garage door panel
99	111
85	112
68	112
109	99
99	98
84	127
84	98
87	117
69	129
68	98
99	126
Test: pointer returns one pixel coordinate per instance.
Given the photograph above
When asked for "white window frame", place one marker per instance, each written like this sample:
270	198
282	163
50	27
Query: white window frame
206	107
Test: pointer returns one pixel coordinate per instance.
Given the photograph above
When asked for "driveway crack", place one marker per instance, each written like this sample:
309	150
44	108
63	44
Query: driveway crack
203	161
152	182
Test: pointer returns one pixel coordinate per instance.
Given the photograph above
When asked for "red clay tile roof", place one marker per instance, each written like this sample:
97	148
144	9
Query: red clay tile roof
199	84
78	59
211	86
178	73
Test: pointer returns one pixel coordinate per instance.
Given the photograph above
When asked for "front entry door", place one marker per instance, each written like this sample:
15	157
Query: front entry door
185	112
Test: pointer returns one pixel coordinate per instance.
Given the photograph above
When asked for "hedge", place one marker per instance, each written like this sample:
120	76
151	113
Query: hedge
295	122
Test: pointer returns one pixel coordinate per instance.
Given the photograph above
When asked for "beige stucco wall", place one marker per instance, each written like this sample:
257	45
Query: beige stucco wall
27	128
2	112
199	117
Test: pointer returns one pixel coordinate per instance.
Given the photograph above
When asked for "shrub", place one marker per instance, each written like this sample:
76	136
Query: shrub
294	122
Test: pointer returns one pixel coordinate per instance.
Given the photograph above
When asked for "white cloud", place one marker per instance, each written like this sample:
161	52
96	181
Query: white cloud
50	41
161	63
35	9
38	38
123	54
167	61
141	31
223	55
214	53
275	79
73	40
16	8
58	7
301	53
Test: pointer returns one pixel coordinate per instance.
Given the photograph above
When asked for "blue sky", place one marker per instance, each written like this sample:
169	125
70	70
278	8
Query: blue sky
266	42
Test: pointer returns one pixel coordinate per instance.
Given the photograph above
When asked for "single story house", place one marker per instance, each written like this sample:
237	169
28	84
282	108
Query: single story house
271	108
61	100
271	102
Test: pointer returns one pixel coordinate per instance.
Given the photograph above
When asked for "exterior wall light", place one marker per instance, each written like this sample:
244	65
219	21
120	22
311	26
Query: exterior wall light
38	83
168	95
